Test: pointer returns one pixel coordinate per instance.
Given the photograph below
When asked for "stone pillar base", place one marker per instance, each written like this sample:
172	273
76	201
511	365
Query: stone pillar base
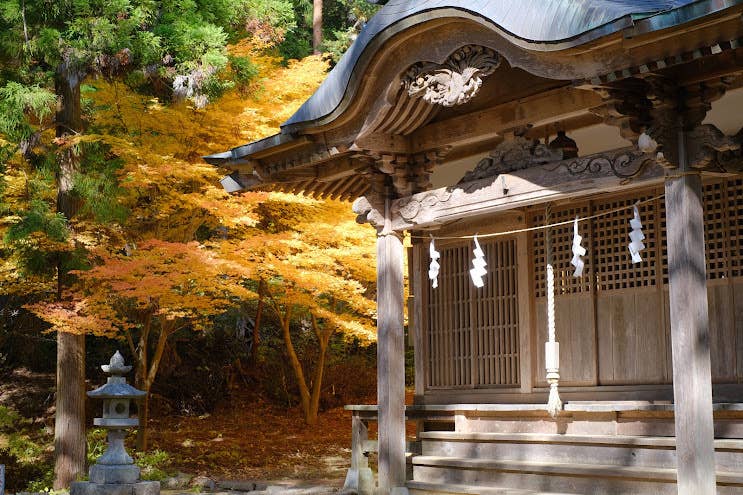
139	488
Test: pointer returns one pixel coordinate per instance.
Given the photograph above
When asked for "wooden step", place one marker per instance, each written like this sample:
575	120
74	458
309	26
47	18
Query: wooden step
575	478
618	450
423	488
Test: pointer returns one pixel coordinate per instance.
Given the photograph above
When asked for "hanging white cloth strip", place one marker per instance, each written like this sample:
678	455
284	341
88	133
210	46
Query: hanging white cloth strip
478	263
636	236
433	269
578	251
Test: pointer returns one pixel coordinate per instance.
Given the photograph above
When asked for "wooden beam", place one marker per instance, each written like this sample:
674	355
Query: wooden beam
490	123
390	360
383	143
690	339
534	185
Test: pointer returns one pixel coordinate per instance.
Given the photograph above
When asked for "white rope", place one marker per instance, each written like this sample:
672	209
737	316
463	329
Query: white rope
542	227
552	347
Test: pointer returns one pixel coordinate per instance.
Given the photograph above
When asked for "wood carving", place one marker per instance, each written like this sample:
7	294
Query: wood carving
513	154
625	164
415	208
368	213
456	81
707	147
675	109
524	187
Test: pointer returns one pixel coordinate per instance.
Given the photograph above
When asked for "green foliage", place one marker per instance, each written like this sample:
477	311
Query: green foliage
6	151
99	186
342	21
155	464
278	15
338	42
244	71
8	418
23	449
19	102
296	45
96	443
39	238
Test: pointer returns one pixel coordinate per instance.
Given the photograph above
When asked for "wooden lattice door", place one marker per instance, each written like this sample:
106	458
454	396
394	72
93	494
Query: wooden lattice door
473	334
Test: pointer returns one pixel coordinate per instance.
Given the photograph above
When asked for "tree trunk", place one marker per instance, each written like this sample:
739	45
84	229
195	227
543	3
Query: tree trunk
323	339
316	26
69	421
257	326
304	392
166	330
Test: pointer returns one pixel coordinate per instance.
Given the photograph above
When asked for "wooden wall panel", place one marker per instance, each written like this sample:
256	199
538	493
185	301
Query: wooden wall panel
574	331
722	332
612	324
632	340
738	324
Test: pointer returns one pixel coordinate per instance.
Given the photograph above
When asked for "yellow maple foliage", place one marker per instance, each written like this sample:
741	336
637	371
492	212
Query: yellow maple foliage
188	248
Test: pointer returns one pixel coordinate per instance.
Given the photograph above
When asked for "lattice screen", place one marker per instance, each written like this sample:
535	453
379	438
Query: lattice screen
614	268
562	242
734	212
473	333
606	239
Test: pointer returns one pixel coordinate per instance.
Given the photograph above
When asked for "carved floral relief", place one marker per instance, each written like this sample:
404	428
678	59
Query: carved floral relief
456	81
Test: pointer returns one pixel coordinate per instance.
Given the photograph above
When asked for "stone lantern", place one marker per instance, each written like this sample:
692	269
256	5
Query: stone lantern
115	472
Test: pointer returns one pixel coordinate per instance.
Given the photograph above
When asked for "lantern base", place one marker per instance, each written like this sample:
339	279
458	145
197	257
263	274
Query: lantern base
114	474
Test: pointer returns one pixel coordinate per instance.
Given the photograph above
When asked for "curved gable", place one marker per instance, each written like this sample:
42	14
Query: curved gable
534	25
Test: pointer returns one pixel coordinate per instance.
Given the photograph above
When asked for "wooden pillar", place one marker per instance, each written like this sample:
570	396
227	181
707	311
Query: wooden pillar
692	380
390	359
416	281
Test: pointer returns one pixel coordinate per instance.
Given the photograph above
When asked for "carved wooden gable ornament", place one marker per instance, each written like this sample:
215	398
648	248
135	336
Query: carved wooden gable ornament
456	81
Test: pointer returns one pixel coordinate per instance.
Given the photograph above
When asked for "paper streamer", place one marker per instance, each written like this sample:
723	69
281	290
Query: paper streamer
433	268
636	236
478	263
578	251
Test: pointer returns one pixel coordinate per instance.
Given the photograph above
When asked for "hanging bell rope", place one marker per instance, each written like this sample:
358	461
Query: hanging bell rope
551	347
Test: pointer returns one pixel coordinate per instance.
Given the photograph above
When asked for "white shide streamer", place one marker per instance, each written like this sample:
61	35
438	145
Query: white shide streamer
578	251
433	268
636	236
478	263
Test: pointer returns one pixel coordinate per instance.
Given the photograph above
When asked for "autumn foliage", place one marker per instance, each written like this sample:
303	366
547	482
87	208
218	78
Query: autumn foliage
187	251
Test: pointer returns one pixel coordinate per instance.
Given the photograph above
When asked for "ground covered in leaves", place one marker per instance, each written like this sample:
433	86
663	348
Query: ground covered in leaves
247	438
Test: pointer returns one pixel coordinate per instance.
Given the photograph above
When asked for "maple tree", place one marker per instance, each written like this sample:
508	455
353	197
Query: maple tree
56	46
317	273
142	196
153	291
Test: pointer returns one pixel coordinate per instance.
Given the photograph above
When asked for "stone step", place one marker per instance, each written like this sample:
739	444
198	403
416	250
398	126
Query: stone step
618	450
574	478
423	488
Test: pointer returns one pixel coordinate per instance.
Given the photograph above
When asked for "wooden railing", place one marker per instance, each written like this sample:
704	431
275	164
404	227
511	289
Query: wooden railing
360	478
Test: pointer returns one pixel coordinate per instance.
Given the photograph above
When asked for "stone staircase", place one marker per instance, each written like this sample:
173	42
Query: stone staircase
501	459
